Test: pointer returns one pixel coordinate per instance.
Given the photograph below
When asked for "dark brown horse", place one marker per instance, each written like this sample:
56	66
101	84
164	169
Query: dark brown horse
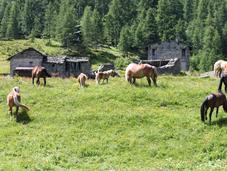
134	71
39	72
223	79
214	100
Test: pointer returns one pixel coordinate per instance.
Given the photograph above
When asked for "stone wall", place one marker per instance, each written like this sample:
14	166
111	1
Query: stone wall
27	59
55	68
173	67
170	50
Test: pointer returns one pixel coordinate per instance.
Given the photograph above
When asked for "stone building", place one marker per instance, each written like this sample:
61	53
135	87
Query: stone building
23	62
165	51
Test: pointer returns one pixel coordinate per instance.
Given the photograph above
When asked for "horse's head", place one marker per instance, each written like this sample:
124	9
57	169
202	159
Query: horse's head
16	89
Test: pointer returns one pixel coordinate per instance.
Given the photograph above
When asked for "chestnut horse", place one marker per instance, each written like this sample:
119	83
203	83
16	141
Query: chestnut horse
39	72
219	67
104	75
14	99
81	79
134	71
213	100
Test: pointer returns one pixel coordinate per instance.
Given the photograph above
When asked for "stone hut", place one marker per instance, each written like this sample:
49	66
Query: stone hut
23	62
163	52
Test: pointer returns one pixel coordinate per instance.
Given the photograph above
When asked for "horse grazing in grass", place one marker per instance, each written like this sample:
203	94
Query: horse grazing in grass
81	79
39	72
213	100
219	67
14	99
104	75
134	71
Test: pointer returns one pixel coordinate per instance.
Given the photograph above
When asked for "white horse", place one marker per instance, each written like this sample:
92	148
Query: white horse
219	67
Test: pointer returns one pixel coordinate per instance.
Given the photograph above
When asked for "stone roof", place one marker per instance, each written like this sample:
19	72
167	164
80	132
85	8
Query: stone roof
56	60
63	59
25	50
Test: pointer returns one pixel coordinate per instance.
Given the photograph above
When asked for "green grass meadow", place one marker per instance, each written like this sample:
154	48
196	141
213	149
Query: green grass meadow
112	126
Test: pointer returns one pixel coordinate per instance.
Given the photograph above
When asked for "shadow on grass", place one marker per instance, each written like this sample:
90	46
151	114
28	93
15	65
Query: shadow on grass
23	118
220	122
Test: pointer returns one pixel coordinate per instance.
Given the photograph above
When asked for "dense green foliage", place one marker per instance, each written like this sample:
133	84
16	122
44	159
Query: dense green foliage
128	24
113	126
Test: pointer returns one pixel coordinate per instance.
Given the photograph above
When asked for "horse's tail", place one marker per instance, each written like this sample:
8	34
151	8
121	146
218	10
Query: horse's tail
203	108
18	104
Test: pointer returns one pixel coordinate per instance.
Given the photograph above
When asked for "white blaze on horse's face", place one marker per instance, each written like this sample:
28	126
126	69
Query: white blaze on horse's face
16	89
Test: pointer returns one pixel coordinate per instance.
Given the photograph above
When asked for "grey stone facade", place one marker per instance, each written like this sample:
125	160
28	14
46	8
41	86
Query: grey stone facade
27	58
170	50
64	66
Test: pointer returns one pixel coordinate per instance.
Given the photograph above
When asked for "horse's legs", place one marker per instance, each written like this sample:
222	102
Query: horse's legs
211	111
33	78
217	112
17	108
206	113
37	81
154	80
11	111
133	80
107	80
44	79
149	81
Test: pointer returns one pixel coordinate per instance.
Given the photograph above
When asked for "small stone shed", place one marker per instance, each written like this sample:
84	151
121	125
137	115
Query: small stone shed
163	52
64	66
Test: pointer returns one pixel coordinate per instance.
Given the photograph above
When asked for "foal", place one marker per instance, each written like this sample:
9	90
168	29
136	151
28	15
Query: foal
103	75
213	100
14	99
81	79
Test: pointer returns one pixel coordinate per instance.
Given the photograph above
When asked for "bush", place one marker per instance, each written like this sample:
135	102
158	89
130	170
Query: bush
122	62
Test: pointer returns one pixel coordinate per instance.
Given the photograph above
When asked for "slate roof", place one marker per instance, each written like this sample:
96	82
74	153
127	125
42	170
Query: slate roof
25	50
55	59
63	59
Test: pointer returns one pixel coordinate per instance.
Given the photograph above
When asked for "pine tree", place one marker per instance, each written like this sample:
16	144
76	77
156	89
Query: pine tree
27	18
120	13
146	32
4	22
87	26
125	42
12	26
97	28
69	29
168	14
3	5
49	25
188	10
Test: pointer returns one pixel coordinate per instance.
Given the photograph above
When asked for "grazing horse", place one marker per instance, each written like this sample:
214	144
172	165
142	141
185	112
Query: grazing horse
219	67
39	72
104	75
213	100
134	71
81	79
14	99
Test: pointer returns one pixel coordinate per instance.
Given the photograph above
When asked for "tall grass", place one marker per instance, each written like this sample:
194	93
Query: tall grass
112	126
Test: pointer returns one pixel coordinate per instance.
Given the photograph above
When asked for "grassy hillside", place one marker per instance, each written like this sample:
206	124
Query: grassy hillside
113	126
